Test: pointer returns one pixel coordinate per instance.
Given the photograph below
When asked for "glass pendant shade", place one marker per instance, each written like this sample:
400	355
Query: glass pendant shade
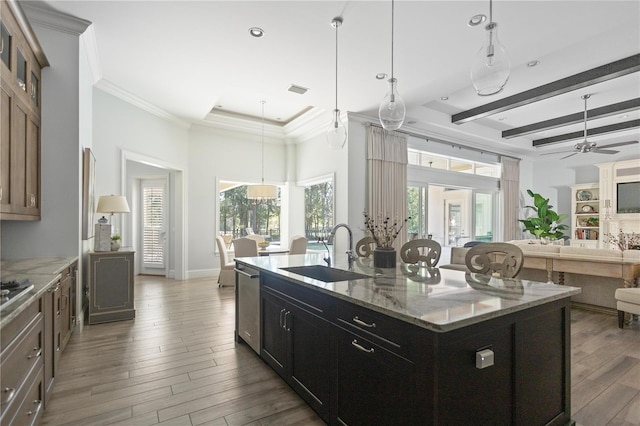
337	132
491	67
392	109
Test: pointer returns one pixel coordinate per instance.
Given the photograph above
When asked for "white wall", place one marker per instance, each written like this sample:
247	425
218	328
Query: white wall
214	155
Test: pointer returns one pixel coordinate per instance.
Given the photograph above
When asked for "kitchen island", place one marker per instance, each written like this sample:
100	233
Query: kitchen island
414	346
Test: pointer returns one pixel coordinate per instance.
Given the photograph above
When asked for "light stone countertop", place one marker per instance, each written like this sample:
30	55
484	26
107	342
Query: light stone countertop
41	272
440	300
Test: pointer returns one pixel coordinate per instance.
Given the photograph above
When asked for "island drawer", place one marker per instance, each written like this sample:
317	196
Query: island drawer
389	333
309	300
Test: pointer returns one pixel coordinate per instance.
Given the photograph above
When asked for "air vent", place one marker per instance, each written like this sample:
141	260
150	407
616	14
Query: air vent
298	89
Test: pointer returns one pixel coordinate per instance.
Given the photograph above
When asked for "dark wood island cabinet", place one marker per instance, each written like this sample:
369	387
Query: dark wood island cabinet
390	351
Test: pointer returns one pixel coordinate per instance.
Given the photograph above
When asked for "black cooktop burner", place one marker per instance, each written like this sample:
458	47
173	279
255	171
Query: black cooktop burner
8	285
11	290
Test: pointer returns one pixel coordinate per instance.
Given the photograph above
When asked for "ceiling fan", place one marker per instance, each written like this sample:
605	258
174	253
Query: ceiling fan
585	146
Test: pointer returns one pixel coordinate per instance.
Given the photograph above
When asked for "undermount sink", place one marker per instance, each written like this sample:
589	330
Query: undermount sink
325	273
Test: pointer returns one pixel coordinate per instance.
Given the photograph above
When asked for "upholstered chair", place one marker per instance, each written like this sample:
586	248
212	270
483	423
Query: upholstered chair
245	247
227	275
298	245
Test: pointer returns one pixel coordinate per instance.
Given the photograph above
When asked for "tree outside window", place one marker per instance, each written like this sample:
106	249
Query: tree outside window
318	210
238	213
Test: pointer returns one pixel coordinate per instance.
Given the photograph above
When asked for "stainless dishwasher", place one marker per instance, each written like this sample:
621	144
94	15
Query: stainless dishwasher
248	306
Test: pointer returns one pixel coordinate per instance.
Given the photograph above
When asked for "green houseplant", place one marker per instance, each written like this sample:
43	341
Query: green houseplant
546	224
115	242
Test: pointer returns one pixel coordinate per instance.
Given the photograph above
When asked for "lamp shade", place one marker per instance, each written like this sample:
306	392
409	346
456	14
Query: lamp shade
112	204
262	192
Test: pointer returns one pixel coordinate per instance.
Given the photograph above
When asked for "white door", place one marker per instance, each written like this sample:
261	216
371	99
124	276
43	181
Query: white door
154	235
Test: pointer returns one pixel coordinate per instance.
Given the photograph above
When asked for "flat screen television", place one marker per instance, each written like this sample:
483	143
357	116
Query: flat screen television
628	196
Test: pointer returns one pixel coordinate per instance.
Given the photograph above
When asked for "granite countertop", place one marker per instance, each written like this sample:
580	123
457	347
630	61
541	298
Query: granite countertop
436	299
41	272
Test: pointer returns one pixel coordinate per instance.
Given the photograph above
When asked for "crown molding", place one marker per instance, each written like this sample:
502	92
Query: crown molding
112	89
90	49
49	18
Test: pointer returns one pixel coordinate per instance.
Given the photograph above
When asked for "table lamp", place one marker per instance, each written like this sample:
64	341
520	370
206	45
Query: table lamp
112	204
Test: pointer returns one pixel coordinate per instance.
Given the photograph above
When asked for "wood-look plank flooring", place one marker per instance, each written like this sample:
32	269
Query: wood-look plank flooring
177	364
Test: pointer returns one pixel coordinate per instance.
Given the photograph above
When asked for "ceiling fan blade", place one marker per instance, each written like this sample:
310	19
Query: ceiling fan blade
567	156
617	144
604	151
557	152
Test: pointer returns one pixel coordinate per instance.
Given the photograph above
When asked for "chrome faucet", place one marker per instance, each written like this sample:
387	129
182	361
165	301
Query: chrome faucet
351	256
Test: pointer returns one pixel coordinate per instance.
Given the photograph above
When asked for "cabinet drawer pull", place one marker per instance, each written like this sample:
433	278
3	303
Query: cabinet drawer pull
360	347
362	323
286	315
7	394
282	318
252	276
38	404
38	352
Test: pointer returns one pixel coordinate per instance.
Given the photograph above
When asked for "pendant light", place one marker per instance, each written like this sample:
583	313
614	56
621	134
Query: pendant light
262	192
337	133
491	67
392	109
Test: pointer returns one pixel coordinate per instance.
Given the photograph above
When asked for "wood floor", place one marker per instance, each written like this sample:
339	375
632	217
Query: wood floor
177	364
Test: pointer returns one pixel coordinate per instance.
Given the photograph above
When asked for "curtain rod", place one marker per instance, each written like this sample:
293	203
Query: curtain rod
456	145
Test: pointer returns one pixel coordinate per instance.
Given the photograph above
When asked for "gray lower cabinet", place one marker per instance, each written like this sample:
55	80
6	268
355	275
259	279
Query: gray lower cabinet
111	294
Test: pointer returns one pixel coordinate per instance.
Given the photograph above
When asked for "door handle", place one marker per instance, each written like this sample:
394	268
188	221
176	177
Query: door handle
286	327
282	318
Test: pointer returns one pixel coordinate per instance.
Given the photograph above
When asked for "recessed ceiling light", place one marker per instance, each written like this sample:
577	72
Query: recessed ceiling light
256	32
381	76
476	20
444	98
533	63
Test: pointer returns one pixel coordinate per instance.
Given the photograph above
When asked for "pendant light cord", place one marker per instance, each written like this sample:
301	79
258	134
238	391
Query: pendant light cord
392	20
262	102
490	11
337	24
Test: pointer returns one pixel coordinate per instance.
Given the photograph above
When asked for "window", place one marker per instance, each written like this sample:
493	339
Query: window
318	210
417	157
239	214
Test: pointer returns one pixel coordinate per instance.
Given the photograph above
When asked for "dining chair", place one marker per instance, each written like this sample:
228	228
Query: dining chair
245	247
298	245
495	258
227	275
421	250
365	247
256	237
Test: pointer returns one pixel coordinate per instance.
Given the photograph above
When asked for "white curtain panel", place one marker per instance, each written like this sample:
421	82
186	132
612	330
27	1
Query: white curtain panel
387	178
511	198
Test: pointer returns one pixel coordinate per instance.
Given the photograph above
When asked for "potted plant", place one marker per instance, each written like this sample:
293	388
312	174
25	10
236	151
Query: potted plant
115	242
546	224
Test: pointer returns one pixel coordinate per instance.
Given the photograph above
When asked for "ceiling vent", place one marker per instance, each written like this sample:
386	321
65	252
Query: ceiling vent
298	89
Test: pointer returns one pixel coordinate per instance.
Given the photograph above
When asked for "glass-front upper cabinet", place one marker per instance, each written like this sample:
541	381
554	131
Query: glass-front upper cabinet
5	45
34	90
22	71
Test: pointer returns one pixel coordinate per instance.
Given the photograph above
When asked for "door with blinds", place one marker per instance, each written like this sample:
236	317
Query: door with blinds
154	220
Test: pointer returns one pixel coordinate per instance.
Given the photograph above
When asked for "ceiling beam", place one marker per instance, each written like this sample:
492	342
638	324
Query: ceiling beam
587	78
578	117
597	131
